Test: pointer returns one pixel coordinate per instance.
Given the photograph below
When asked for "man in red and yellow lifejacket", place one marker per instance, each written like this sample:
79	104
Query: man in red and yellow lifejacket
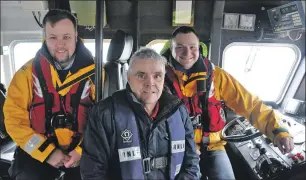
205	87
47	103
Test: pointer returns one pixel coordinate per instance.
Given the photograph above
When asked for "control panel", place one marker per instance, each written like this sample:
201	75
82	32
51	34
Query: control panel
266	161
288	17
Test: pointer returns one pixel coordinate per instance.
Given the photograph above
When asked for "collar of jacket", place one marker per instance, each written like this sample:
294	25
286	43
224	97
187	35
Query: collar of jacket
83	57
197	67
167	102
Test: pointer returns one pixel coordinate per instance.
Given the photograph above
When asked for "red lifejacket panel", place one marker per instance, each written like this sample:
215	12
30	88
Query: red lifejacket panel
203	106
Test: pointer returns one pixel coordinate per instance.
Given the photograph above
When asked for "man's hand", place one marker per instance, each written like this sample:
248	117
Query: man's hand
74	159
57	158
284	144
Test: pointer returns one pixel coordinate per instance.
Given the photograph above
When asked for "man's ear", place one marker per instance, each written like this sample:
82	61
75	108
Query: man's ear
128	76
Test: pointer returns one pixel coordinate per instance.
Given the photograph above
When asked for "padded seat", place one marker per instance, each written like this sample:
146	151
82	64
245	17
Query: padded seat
3	133
119	52
7	145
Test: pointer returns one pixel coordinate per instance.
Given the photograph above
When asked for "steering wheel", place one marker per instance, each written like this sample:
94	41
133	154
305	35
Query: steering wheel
246	133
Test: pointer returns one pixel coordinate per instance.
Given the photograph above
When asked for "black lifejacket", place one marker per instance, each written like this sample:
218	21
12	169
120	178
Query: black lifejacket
132	162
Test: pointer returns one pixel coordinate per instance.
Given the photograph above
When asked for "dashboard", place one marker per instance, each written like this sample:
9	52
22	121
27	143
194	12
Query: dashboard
264	161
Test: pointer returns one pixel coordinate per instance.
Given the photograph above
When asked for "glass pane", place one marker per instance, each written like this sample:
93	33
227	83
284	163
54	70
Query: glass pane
157	44
263	69
25	51
92	48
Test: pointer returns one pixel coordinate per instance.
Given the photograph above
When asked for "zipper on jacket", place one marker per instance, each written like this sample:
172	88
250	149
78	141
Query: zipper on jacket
165	115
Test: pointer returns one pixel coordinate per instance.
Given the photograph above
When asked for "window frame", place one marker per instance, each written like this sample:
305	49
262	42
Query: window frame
292	71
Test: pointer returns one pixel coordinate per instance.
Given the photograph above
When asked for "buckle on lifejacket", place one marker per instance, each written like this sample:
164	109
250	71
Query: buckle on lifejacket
154	163
146	165
61	121
196	121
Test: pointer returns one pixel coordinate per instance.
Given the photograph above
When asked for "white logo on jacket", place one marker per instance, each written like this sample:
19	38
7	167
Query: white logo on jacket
86	90
129	154
178	146
37	88
127	136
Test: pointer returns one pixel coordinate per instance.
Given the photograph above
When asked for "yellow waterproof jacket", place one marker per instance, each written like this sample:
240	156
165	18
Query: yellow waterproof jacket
17	105
225	88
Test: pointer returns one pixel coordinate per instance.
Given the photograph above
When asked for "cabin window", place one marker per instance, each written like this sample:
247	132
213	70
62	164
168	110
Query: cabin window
23	51
157	44
264	69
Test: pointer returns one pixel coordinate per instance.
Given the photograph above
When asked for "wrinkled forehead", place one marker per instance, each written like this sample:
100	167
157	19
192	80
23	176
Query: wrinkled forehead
147	66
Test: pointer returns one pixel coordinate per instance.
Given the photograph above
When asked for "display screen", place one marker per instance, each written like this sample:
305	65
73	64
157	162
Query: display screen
288	9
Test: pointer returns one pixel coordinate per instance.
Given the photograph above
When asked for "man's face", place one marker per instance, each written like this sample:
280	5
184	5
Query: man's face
185	49
61	40
146	80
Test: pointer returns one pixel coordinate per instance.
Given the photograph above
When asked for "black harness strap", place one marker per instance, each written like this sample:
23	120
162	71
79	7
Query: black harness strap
48	97
75	102
204	98
48	101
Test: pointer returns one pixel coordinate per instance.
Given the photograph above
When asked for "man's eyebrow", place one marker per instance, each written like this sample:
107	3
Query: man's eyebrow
191	44
140	72
63	34
159	72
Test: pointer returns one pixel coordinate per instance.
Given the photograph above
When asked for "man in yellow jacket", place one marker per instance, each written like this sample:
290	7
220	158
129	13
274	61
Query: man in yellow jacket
203	88
47	103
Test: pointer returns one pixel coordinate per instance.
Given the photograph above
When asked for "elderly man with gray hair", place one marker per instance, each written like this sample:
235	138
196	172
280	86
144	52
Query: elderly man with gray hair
141	132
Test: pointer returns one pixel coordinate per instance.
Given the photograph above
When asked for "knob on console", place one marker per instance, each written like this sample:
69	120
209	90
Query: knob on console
266	168
276	16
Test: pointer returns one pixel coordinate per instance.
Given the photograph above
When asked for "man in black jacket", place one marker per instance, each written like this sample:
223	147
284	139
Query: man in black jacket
141	132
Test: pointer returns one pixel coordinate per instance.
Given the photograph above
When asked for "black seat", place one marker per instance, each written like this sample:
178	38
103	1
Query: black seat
119	52
3	133
7	146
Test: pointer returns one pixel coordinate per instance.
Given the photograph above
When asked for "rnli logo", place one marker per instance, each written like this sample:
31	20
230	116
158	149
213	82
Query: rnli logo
178	146
127	136
129	154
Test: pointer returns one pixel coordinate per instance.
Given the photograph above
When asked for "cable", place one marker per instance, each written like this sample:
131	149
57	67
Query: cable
90	28
38	22
298	35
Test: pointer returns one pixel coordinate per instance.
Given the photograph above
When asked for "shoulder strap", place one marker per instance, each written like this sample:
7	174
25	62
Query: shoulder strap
173	82
48	97
209	68
75	102
204	99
